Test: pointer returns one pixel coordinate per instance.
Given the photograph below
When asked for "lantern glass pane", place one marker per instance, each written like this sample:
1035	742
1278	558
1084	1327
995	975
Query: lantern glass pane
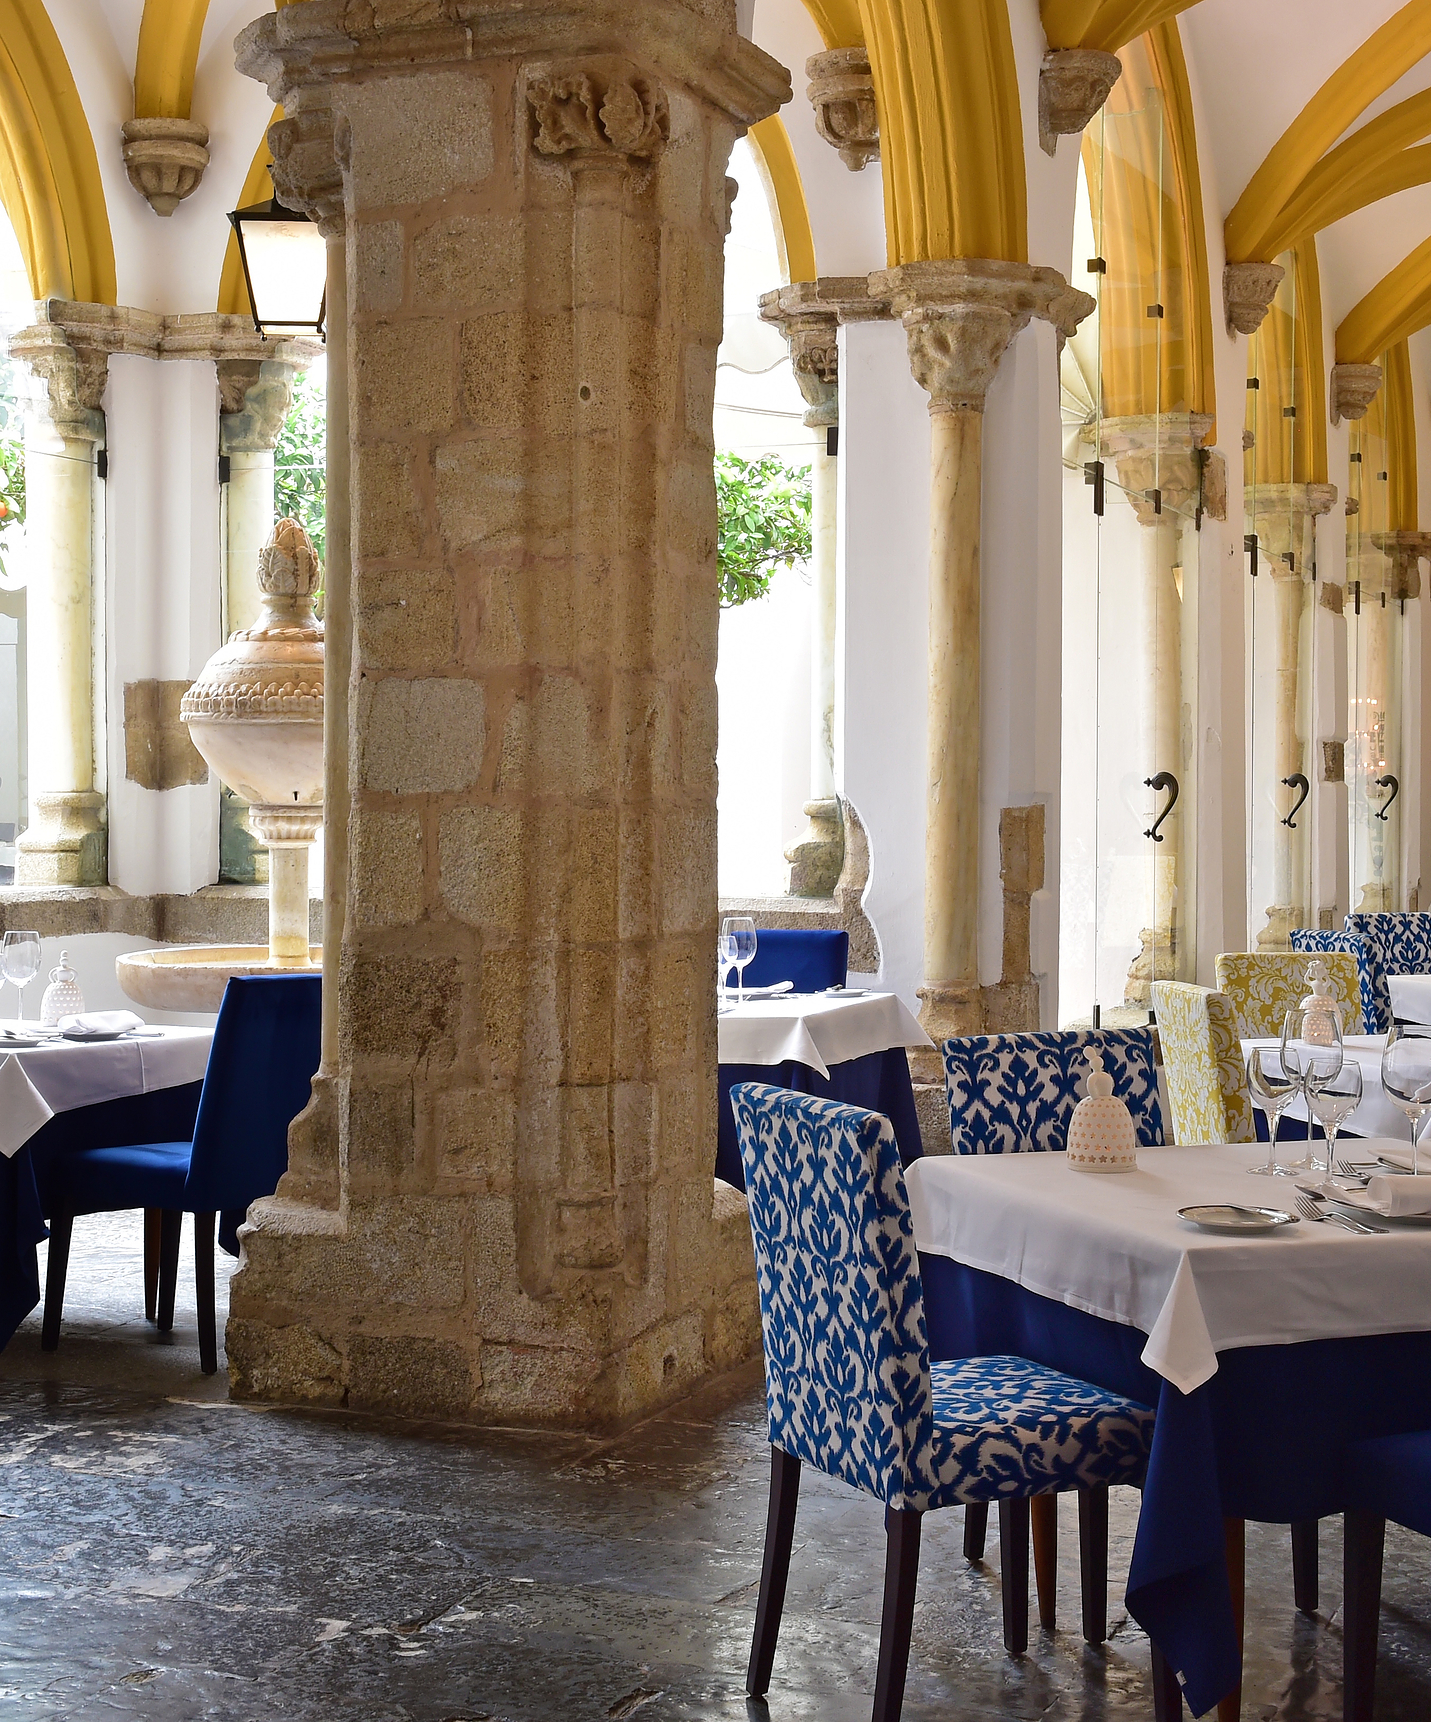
288	270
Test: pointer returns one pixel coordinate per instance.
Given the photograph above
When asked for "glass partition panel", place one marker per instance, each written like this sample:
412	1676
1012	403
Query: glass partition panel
1374	681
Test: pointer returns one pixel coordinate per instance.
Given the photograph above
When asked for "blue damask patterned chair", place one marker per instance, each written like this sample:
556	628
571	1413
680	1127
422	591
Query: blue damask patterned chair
851	1391
1371	976
1402	942
1015	1093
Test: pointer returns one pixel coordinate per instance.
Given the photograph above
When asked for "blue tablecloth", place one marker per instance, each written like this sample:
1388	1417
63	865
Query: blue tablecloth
1264	1439
163	1115
879	1082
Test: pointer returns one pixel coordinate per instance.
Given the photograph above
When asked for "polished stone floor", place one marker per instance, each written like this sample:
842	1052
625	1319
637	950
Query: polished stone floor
168	1556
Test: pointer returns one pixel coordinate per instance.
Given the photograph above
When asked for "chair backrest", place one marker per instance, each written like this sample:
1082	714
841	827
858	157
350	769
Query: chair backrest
1012	1093
1371	977
841	1301
261	1065
812	958
1262	986
1402	940
1202	1065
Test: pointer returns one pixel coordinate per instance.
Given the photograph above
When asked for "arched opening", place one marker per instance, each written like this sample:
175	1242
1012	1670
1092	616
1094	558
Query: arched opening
16	308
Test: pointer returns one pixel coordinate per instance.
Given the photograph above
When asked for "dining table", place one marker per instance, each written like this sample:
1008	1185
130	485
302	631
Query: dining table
845	1044
65	1095
1264	1356
1410	997
1377	1114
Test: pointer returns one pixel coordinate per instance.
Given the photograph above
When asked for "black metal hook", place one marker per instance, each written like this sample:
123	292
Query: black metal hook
1296	781
1391	783
1163	780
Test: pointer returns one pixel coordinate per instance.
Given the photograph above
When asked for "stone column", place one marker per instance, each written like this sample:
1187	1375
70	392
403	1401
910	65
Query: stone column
959	318
808	314
1285	515
525	1089
64	842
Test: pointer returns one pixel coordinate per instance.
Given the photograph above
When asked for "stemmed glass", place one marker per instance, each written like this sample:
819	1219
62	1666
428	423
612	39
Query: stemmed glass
1331	1101
1406	1077
20	963
1273	1088
725	957
1312	1052
740	930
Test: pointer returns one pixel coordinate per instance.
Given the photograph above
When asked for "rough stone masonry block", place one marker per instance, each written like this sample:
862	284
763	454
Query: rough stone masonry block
386	884
421	736
396	161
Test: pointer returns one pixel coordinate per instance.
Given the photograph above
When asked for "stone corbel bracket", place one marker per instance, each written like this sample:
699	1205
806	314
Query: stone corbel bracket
1248	290
842	93
1353	390
310	149
1073	84
165	160
809	314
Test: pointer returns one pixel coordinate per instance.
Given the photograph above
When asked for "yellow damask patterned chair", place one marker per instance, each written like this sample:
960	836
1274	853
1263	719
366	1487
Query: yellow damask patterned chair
1202	1065
1262	986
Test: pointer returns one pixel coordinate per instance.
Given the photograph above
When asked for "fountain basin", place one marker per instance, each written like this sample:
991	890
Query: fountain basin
193	977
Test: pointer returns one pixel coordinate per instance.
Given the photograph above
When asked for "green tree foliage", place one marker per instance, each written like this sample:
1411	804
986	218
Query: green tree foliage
299	460
764	523
12	469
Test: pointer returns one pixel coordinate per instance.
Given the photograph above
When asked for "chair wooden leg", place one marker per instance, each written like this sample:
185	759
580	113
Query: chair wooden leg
171	1223
1093	1562
151	1263
1167	1694
1305	1574
976	1529
1014	1573
779	1534
1234	1533
1364	1539
61	1226
901	1579
204	1292
1043	1519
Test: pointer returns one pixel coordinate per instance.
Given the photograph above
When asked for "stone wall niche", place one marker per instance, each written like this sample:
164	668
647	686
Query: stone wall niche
526	1068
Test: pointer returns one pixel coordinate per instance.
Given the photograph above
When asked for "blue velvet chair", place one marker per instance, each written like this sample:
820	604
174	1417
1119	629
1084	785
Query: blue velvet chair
1371	976
813	959
1015	1093
265	1051
850	1389
1390	1478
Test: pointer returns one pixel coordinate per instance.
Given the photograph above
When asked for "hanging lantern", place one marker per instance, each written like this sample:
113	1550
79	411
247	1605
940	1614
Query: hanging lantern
285	267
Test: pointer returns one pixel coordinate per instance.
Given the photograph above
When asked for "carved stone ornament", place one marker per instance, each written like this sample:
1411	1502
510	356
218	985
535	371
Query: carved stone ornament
1073	85
1353	390
165	160
842	93
1248	289
598	117
310	149
809	314
1405	552
254	398
74	378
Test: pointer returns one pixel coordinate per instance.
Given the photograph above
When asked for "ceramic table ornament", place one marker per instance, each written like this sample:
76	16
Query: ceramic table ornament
63	996
1323	1013
1101	1137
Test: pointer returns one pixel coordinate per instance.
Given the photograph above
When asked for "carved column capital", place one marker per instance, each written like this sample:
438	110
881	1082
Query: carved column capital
1248	290
599	114
808	314
254	398
165	160
1073	84
842	93
1353	390
960	316
74	378
1159	458
310	149
1405	550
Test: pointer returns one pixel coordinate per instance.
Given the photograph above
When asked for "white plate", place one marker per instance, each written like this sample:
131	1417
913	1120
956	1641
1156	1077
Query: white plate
1237	1219
106	1034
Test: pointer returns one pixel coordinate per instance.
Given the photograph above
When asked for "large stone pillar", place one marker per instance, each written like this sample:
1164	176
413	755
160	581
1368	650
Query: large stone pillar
64	842
959	318
525	1088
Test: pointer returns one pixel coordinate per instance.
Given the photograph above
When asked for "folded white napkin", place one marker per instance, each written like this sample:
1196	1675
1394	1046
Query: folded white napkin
1396	1153
1392	1195
23	1109
101	1022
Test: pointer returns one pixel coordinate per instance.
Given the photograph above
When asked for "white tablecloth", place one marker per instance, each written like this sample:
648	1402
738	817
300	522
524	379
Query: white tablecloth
1410	997
818	1029
1113	1244
67	1073
1377	1115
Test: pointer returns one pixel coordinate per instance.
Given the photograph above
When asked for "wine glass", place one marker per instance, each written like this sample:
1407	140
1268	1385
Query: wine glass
740	929
1406	1077
725	957
20	963
1331	1100
1273	1088
1312	1051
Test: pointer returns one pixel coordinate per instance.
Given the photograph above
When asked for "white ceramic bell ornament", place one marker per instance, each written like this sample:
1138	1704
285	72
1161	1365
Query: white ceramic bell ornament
1321	1010
1101	1137
63	996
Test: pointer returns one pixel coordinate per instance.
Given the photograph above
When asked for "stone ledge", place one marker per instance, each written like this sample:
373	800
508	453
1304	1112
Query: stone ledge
213	915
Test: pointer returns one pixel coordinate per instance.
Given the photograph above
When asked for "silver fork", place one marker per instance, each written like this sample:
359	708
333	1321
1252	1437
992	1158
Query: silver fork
1309	1210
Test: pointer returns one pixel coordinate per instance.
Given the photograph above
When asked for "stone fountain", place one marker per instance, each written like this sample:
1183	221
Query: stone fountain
256	716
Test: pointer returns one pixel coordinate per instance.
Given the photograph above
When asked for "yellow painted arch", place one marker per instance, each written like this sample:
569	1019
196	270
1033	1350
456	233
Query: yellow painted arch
1385	55
1106	24
1395	308
1402	511
838	22
169	36
49	172
1286	357
257	188
793	235
1165	49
